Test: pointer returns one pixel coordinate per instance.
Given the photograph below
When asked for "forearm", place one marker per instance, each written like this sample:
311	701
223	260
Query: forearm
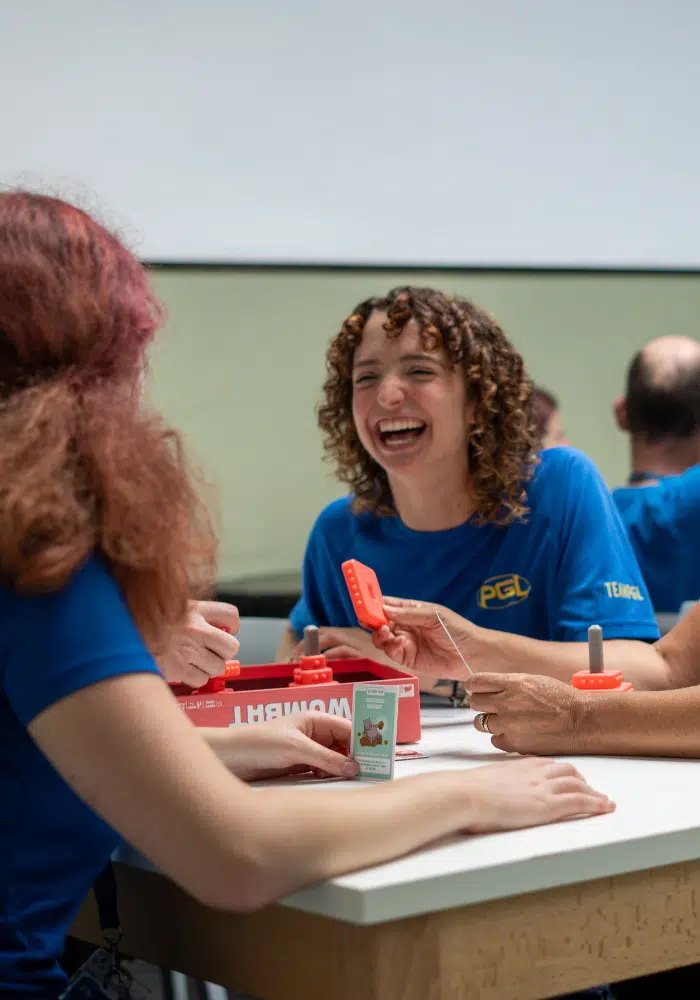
234	748
649	723
502	652
357	828
166	794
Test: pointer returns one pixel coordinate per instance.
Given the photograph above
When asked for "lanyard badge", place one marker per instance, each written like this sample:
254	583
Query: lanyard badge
106	975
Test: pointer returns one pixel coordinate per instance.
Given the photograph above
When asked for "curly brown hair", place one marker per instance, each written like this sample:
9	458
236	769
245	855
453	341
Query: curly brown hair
84	467
502	441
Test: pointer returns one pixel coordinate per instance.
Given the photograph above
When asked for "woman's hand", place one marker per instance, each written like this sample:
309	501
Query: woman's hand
301	742
202	647
415	639
529	714
344	644
518	793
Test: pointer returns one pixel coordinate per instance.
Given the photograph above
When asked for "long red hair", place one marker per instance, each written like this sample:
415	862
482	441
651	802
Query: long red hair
84	467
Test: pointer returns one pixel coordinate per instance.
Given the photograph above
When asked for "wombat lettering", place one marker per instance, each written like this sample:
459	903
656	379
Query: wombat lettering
263	712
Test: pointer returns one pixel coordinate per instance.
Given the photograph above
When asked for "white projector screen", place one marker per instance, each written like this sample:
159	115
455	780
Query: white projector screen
491	133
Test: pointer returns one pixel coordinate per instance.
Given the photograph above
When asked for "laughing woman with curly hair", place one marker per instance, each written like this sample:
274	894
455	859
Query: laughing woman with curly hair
428	417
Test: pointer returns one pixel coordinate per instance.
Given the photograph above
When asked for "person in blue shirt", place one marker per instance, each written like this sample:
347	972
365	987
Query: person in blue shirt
427	413
103	544
660	505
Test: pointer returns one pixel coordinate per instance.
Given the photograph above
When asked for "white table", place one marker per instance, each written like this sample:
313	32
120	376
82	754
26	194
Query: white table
519	915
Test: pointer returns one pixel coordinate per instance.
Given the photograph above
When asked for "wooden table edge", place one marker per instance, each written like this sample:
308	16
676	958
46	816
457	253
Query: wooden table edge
525	947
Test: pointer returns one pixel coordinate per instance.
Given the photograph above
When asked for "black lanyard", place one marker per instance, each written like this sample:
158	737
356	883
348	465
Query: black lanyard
104	974
105	889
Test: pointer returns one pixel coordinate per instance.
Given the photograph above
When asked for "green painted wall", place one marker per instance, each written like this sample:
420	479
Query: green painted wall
240	365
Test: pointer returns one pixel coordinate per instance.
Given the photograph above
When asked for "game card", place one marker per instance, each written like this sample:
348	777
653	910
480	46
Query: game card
410	753
375	708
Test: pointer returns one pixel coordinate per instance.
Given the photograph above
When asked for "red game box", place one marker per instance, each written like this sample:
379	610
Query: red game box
262	692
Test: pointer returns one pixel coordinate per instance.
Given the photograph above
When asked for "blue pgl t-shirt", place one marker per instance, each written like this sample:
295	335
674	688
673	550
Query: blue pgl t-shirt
569	566
663	524
52	846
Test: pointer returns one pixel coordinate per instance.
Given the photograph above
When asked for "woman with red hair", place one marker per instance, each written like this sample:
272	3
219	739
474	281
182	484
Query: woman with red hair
103	542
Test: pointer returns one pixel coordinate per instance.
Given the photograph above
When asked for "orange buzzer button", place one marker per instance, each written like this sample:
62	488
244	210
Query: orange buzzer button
365	594
596	678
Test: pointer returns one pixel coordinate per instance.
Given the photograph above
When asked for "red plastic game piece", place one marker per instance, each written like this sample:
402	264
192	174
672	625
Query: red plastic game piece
365	593
609	680
312	667
231	669
596	678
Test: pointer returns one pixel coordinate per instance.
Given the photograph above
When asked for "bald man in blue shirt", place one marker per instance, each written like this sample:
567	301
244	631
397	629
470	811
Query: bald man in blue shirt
660	505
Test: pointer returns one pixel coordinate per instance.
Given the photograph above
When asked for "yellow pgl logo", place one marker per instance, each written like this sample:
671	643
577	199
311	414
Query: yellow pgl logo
503	591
